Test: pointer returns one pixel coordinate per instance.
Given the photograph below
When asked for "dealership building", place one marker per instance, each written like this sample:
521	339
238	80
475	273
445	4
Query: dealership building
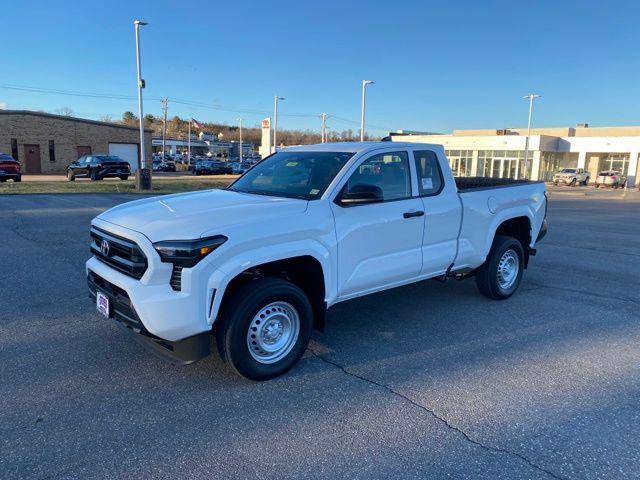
46	143
500	153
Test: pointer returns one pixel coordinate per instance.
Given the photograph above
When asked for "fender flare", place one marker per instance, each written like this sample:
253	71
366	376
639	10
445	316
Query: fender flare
230	268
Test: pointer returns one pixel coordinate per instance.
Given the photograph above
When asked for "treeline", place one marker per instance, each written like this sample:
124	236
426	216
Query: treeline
178	128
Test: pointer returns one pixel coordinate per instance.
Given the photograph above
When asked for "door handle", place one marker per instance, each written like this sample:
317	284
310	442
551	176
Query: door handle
418	213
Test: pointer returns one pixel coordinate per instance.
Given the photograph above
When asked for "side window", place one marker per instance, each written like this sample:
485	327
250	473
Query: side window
429	176
88	160
387	171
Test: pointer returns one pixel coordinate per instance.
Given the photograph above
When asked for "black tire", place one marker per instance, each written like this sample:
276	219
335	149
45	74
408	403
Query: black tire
586	181
241	311
70	176
573	183
94	176
124	177
597	185
487	275
2	180
18	178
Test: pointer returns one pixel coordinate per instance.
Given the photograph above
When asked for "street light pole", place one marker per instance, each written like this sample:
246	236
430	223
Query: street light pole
530	97
165	102
275	122
144	176
364	102
240	146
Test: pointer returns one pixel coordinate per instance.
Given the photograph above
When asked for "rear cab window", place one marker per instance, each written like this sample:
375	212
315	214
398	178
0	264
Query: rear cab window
430	181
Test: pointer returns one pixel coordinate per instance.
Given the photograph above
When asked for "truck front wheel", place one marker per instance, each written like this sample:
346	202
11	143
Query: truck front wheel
500	275
265	328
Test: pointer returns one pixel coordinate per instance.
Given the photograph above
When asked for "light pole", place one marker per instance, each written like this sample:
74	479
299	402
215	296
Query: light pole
323	117
530	97
165	102
364	102
275	122
240	146
144	175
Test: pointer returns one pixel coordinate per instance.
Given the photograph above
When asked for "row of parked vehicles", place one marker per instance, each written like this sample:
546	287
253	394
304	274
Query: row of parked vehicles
580	176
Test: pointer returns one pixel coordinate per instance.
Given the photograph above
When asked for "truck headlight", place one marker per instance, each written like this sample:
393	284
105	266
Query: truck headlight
187	253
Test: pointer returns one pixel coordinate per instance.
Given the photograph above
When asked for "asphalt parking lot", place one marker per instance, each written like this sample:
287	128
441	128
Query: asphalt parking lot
426	381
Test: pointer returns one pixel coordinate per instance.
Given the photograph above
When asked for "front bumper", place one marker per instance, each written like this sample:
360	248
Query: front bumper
121	309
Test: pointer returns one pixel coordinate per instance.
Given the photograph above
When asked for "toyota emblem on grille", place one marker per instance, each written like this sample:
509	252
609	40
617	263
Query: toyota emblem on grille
105	248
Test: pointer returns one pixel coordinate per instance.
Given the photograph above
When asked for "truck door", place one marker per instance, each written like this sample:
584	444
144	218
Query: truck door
379	243
443	213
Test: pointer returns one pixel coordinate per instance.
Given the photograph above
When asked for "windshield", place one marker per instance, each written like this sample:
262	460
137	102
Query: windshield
293	174
568	170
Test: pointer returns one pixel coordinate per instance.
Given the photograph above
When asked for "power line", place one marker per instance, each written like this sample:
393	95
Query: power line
189	103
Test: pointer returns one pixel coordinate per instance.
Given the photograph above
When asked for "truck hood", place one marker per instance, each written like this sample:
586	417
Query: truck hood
187	216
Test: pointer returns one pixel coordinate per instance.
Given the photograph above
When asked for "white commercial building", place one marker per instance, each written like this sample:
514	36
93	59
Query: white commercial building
500	153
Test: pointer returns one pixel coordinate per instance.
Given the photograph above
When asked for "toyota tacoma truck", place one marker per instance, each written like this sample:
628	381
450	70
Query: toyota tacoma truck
254	267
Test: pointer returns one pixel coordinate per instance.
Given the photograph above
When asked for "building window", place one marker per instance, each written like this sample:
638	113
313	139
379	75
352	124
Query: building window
460	161
14	148
504	163
52	151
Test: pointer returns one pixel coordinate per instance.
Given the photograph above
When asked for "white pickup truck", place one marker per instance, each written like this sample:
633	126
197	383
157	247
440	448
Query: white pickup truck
258	264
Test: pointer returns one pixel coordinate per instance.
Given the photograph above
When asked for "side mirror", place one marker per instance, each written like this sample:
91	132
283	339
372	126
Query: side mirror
361	194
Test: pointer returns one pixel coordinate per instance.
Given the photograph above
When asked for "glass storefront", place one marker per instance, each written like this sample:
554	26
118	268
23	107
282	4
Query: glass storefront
460	161
553	162
503	163
614	161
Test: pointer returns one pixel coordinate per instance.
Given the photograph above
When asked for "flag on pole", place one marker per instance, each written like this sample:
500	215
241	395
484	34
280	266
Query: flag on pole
196	124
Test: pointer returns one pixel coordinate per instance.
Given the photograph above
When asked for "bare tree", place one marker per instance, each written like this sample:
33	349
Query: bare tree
66	111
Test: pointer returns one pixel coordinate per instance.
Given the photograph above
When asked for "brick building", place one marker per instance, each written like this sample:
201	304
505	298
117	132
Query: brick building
46	143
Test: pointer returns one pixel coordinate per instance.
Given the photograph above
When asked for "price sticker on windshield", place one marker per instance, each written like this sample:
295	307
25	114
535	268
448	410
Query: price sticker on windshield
292	164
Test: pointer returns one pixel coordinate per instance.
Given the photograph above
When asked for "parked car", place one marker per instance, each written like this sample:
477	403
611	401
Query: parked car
9	168
97	167
571	176
212	167
308	227
610	178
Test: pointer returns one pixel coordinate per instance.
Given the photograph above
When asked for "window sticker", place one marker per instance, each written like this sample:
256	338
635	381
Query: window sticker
314	191
292	164
427	183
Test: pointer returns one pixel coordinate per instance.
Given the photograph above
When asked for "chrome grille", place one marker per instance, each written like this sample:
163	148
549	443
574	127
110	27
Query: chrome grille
121	253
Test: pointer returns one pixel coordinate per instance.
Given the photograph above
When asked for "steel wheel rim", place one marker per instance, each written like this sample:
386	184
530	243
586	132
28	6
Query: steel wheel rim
508	269
273	332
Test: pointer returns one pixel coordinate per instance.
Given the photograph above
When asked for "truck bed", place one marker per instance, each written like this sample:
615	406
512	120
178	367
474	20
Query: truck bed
466	184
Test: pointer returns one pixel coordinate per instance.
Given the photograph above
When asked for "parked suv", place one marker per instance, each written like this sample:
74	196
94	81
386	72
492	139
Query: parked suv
97	167
571	176
9	168
610	178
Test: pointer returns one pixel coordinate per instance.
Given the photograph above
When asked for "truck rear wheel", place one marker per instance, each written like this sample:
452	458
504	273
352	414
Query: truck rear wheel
265	328
500	275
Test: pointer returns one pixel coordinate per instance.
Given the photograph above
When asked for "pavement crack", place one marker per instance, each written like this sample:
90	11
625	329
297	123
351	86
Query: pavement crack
438	418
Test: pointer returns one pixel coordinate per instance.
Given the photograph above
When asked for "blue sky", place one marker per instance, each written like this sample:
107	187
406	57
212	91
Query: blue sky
437	65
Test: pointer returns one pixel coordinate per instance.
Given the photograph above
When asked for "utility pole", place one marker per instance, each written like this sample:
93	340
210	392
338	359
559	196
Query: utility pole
364	102
530	97
189	145
275	122
144	175
165	103
240	146
323	116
